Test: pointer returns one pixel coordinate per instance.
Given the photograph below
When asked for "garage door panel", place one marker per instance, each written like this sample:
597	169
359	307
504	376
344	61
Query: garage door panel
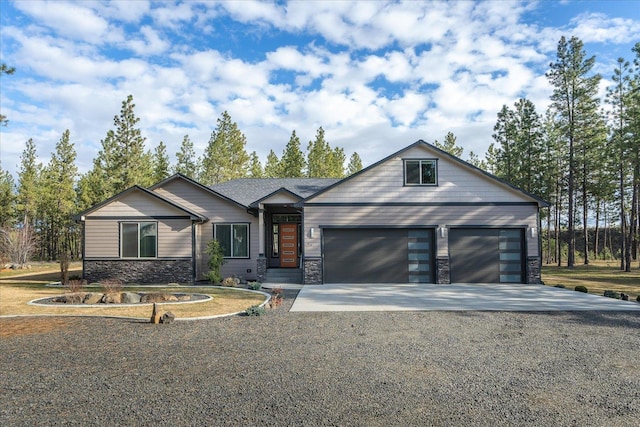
479	255
376	255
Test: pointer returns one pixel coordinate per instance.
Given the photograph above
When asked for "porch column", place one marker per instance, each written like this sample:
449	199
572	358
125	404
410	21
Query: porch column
261	230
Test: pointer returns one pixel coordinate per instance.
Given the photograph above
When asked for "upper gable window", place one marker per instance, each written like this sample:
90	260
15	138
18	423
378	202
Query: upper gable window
421	172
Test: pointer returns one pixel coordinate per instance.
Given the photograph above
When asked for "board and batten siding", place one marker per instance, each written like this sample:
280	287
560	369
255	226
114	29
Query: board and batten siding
385	183
416	216
102	238
217	210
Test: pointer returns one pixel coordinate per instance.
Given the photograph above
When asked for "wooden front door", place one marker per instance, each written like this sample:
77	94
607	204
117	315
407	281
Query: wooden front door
289	245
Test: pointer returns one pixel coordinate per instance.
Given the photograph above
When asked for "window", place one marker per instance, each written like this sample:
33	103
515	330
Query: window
138	239
234	239
420	172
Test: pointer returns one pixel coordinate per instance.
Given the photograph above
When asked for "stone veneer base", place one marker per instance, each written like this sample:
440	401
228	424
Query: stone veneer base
139	271
312	271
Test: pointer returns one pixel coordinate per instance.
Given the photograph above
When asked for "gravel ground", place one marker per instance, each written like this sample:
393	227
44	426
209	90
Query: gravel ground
341	369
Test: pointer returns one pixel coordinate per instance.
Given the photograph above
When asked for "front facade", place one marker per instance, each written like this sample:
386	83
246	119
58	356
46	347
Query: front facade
417	216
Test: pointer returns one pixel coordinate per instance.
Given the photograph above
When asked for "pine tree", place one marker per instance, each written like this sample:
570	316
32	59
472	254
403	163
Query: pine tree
101	181
272	167
355	164
255	167
335	163
58	201
475	160
5	69
225	157
292	161
318	156
28	185
132	165
7	198
186	159
574	98
161	165
449	145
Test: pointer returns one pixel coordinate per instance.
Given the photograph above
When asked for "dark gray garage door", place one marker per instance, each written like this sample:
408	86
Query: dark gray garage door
376	255
486	255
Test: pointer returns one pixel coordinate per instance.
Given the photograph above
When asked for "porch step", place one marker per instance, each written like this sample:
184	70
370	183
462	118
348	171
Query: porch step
283	275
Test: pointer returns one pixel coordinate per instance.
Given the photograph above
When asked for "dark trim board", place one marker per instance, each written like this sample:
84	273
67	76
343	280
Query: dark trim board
134	218
335	204
350	227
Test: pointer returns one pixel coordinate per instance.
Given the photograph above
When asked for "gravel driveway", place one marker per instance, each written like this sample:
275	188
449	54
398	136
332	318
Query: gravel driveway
363	368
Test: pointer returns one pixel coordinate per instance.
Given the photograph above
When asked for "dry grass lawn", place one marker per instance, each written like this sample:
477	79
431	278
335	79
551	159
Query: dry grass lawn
17	291
597	277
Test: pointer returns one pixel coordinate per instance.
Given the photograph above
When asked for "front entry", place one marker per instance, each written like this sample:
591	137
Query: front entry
288	245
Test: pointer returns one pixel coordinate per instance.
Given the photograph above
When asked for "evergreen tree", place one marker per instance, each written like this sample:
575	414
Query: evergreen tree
355	164
335	160
475	160
255	167
161	164
318	156
7	198
225	157
101	181
292	161
28	185
58	201
272	167
132	165
449	145
575	101
186	159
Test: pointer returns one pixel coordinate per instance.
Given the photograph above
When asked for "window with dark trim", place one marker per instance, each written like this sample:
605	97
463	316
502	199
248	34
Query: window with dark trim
234	239
138	239
421	172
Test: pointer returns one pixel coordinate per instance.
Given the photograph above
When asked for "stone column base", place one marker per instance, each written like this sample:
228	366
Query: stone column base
312	271
261	269
534	276
443	273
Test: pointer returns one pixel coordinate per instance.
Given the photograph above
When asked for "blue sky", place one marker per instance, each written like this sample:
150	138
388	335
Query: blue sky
375	75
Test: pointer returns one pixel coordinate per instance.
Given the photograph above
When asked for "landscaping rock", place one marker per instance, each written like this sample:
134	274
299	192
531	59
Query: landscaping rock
112	298
624	297
158	297
167	318
184	297
130	298
92	298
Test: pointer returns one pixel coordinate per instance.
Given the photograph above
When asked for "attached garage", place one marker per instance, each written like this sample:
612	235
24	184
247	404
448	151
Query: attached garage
487	255
378	255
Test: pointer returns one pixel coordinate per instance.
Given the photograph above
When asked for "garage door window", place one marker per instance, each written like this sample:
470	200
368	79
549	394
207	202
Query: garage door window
510	256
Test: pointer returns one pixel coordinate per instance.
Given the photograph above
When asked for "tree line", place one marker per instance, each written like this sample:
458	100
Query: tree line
36	212
582	155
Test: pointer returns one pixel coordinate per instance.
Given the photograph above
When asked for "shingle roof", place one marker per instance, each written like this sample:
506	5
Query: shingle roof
248	190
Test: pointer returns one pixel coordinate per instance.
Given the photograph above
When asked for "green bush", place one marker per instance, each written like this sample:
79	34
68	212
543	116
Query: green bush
230	282
559	286
581	288
255	310
216	261
612	294
254	286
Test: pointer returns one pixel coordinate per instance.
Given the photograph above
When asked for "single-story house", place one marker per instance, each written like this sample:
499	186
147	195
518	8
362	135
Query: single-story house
419	215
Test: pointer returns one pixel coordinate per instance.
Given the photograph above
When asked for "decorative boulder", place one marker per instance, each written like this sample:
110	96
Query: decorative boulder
167	318
130	298
112	298
92	298
184	297
158	297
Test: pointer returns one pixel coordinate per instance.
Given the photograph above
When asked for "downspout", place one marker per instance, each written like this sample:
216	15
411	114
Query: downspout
193	253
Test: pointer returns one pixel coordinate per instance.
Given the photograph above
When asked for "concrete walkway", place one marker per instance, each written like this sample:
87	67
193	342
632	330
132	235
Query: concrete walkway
456	297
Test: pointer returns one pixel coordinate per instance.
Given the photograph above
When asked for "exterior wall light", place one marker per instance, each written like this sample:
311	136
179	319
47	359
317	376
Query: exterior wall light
312	232
533	231
443	232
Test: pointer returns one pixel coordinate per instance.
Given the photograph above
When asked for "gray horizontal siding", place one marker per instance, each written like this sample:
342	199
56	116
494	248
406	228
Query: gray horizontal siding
102	238
217	210
385	183
137	203
395	216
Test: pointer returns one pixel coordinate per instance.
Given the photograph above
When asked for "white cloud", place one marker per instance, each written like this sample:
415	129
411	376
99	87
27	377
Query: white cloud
151	45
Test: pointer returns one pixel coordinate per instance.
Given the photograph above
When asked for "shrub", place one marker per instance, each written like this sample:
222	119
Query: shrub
254	286
255	310
559	286
581	288
65	261
216	261
276	297
75	285
230	282
638	298
111	286
612	294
